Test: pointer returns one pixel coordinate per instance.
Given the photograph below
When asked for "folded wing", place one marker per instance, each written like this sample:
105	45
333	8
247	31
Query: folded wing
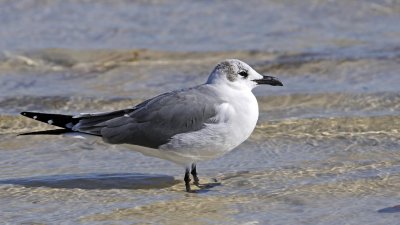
153	122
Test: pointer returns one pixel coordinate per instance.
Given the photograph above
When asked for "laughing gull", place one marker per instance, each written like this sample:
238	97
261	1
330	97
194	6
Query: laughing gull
183	126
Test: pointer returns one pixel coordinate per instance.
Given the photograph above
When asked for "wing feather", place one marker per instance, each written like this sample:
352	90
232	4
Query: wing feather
153	122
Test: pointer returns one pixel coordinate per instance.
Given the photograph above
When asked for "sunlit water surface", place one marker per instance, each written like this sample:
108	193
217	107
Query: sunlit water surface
326	148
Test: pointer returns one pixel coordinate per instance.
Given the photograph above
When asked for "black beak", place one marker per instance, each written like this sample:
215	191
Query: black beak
269	80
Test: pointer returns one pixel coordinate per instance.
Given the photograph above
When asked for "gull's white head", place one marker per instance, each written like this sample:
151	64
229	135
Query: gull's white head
239	75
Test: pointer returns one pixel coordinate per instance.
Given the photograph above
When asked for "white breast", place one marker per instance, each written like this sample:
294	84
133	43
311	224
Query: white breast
233	124
245	118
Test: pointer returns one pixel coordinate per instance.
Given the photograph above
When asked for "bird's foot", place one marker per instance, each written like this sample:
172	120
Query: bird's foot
196	181
187	181
194	174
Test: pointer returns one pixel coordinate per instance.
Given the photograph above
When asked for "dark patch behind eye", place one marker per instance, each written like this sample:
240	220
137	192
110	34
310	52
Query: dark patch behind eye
244	74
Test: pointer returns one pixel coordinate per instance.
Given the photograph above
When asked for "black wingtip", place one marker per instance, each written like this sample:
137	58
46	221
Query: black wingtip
47	132
59	120
29	114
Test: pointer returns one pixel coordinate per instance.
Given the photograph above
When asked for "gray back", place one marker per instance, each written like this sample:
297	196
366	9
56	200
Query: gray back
153	122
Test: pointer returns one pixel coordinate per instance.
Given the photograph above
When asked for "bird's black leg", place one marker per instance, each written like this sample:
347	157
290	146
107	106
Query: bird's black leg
194	174
187	180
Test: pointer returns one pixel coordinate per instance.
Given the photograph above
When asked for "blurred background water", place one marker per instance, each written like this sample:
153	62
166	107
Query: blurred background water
325	151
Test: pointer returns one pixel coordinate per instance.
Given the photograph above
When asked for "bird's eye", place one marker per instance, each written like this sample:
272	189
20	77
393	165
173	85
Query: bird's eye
243	74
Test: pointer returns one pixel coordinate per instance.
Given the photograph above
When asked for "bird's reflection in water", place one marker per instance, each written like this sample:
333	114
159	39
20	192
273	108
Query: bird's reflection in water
97	181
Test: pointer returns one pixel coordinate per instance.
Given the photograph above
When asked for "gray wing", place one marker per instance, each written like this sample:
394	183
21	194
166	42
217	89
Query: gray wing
153	122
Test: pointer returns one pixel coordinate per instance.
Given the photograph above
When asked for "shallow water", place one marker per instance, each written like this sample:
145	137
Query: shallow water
326	148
